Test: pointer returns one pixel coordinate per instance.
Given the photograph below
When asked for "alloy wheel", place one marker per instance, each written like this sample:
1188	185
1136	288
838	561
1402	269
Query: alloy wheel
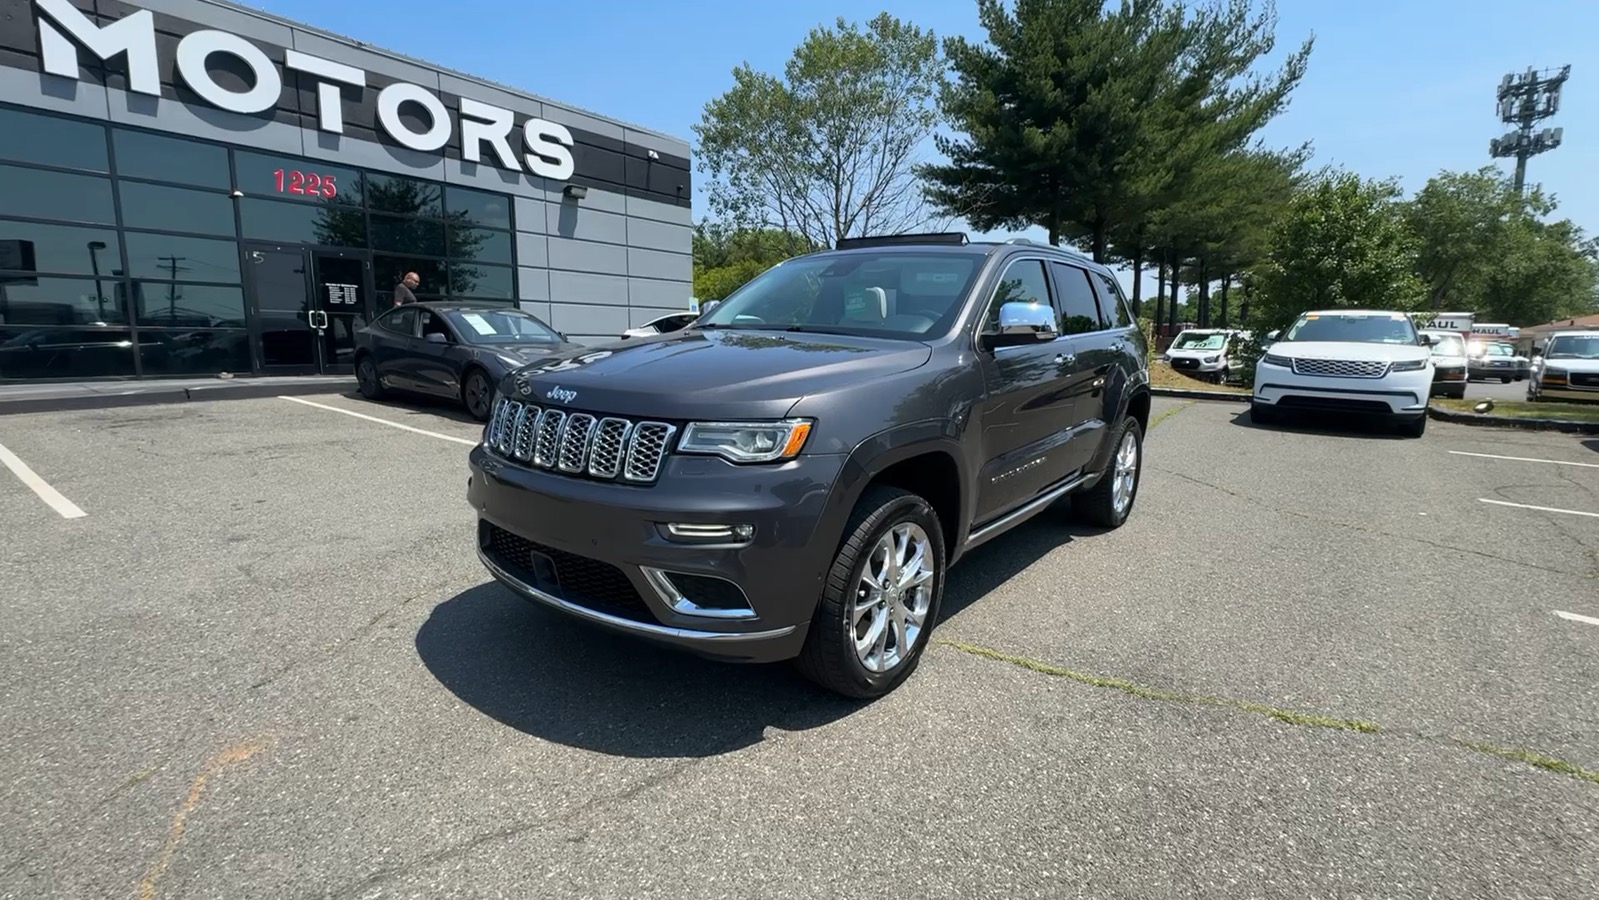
893	598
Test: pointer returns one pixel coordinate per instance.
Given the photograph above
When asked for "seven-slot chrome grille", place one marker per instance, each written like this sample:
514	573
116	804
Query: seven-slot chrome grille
578	443
1341	368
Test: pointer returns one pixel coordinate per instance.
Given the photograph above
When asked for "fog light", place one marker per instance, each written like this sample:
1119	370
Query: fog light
709	534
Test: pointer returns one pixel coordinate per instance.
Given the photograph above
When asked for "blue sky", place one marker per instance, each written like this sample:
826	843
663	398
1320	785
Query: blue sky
1396	87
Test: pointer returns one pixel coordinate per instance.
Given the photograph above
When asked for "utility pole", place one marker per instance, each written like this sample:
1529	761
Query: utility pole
1526	99
172	284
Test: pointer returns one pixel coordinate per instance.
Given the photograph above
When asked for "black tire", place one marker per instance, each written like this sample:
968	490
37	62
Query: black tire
1459	394
1261	414
477	395
828	657
1415	427
1097	505
366	377
1504	379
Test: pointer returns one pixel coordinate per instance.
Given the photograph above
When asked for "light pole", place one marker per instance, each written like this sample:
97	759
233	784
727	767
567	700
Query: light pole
1526	99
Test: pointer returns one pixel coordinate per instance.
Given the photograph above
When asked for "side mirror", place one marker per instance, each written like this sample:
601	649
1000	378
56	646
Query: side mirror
709	305
1272	336
1023	323
433	337
1426	340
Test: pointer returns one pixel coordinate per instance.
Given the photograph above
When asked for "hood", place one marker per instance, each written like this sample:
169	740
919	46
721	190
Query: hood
516	354
697	374
1348	350
1573	364
1187	352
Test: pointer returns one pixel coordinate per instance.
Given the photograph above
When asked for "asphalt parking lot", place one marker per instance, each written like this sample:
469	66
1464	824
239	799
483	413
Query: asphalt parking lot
249	652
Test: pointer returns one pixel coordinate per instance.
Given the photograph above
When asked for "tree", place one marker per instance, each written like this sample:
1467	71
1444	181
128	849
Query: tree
725	257
1485	247
1343	242
1085	121
828	151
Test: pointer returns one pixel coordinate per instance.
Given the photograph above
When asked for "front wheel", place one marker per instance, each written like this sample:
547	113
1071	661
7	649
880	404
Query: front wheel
366	376
476	395
881	598
1110	501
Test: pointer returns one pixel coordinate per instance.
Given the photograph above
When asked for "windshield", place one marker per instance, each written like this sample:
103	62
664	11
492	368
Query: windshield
500	326
1481	349
1359	328
889	293
1573	346
1448	345
1191	341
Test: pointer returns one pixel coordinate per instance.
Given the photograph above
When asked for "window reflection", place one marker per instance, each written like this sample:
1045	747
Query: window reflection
388	270
58	249
412	237
478	280
159	158
37	353
480	244
167	258
175	209
52	141
190	352
188	305
404	196
60	301
37	194
335	224
478	208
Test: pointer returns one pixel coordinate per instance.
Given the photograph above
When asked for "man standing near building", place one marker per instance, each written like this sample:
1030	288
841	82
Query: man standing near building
402	291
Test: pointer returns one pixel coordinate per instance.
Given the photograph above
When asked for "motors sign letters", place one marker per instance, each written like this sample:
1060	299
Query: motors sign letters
63	29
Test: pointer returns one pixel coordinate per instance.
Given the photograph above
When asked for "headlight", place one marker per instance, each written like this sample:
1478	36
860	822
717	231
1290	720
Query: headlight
1408	365
1211	359
746	442
1273	359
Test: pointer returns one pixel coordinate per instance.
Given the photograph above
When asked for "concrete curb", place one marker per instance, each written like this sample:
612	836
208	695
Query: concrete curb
1188	394
152	393
1465	418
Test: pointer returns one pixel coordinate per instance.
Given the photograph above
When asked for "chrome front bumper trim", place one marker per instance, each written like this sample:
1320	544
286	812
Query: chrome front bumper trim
643	628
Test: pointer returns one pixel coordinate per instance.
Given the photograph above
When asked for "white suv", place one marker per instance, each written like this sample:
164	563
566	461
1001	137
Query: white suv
1346	360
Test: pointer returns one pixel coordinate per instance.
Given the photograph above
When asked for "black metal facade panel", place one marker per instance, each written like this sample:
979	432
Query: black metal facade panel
601	161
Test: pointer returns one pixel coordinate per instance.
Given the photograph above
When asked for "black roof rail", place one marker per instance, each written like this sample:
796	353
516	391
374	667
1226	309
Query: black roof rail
891	240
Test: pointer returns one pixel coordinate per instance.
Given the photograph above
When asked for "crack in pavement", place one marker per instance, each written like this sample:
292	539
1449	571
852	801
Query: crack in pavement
1286	716
340	643
1366	529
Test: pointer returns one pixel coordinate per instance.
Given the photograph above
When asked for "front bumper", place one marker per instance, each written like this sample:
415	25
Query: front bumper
1195	364
1398	394
600	551
1491	370
1565	390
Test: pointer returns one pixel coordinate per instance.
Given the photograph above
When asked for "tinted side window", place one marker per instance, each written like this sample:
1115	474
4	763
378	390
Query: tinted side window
401	321
1024	281
1079	310
1113	301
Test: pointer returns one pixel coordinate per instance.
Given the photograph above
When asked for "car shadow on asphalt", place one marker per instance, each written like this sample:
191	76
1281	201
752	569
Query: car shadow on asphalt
1592	445
569	683
439	407
573	684
1326	425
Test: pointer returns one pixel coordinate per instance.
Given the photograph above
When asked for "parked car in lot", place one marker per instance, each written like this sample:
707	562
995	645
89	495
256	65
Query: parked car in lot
456	350
1567	369
1203	352
1371	362
1496	359
1449	363
792	476
661	325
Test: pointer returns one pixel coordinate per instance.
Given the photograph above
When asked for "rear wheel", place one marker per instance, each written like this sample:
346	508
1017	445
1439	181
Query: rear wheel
366	377
881	598
1110	501
477	395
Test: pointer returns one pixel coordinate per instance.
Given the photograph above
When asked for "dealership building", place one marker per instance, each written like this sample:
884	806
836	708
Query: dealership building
191	187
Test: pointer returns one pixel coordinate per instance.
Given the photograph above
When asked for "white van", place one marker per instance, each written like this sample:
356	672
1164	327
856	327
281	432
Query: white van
1203	352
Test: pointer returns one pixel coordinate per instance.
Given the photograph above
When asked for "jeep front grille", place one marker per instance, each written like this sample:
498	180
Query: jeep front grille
578	443
1340	368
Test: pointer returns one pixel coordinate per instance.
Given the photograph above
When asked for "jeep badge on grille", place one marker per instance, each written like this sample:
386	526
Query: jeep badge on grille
561	394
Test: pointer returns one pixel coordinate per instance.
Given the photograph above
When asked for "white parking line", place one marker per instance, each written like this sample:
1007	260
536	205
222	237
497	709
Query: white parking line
431	434
48	494
1552	462
1569	512
1587	620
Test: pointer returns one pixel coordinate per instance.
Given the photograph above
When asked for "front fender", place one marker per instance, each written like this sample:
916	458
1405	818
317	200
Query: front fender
877	453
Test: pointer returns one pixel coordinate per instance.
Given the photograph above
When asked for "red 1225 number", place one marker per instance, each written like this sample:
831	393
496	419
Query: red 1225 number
309	184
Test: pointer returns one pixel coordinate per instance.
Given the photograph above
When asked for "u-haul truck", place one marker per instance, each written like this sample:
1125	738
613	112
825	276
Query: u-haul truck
1459	322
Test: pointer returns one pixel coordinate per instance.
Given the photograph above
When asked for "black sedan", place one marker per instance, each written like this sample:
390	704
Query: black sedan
451	349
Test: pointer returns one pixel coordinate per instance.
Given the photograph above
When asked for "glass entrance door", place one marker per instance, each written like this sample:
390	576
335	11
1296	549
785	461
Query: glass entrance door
307	305
279	293
342	302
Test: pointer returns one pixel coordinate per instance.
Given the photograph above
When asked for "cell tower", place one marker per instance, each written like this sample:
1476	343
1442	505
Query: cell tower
1526	99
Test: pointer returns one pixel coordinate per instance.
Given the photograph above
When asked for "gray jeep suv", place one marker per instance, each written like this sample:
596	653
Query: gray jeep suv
792	475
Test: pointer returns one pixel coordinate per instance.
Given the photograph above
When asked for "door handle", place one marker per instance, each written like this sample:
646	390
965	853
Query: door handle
1065	359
